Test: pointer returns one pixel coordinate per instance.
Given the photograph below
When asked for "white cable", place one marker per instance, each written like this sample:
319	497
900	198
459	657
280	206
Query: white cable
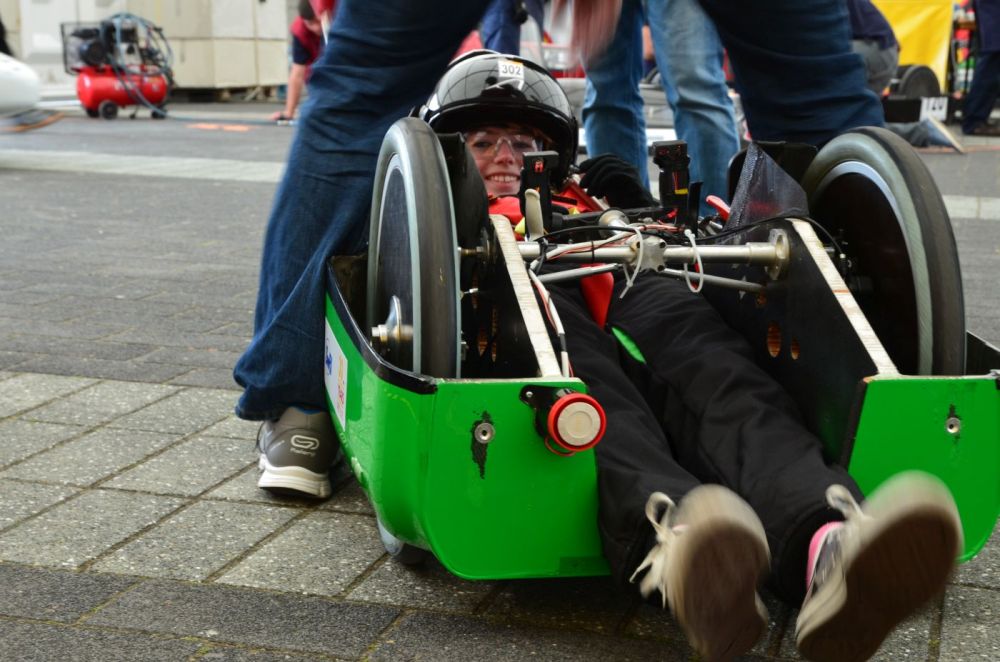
630	277
697	258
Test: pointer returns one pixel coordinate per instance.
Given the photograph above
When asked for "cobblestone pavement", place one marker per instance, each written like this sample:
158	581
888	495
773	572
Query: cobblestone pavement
131	527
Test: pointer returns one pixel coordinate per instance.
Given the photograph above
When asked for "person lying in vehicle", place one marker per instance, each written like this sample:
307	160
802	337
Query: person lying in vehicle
734	486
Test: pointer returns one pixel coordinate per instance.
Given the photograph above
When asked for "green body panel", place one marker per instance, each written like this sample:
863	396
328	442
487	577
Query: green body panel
508	508
903	425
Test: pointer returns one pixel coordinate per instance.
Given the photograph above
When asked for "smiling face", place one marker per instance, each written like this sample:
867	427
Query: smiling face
499	153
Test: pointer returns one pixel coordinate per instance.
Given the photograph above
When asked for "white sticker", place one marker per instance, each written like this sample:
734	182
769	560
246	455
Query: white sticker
511	69
335	376
934	107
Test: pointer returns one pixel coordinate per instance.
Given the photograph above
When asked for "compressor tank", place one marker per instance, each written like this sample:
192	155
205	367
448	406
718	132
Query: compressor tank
94	85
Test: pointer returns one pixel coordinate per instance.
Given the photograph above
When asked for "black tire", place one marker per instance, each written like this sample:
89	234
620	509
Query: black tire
158	113
917	80
870	189
402	552
412	251
92	112
108	109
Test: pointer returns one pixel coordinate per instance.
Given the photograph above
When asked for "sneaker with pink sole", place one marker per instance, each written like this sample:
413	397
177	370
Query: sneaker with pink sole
886	560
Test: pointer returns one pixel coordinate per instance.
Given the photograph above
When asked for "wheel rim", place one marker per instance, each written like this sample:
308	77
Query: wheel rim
871	189
413	256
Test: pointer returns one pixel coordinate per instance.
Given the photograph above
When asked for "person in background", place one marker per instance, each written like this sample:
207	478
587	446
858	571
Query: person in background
873	39
500	29
689	56
307	43
985	89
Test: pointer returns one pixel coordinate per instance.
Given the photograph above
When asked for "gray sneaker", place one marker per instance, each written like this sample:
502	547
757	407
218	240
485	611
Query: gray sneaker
710	555
297	452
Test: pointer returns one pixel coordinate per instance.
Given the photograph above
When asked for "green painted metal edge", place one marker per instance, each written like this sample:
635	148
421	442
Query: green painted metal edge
507	509
946	426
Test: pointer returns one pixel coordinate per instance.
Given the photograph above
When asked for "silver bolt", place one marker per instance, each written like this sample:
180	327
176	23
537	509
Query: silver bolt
953	425
484	433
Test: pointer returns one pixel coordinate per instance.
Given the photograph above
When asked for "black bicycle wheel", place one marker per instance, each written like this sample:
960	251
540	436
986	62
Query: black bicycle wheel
917	80
870	189
413	255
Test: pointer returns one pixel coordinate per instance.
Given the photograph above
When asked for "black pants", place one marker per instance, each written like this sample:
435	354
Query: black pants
722	420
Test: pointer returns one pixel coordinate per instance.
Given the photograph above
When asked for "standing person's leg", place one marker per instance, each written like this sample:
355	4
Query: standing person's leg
797	76
382	59
612	109
983	94
498	30
689	56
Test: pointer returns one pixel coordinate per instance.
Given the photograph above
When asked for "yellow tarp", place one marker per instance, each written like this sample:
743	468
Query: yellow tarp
923	29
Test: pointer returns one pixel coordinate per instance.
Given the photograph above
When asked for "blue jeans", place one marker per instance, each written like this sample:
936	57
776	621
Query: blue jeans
796	74
498	30
689	57
382	59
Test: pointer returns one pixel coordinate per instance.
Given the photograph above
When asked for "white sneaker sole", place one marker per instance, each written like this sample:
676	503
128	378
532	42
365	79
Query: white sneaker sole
292	481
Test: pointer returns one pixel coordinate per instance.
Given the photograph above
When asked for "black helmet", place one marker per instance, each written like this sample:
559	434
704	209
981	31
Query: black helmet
485	87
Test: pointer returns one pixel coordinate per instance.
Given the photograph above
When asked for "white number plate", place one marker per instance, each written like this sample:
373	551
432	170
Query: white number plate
936	107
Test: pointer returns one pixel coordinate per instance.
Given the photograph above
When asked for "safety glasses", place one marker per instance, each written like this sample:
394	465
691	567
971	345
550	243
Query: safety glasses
486	143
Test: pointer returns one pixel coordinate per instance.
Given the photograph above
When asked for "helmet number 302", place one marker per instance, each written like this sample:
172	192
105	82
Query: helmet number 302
510	69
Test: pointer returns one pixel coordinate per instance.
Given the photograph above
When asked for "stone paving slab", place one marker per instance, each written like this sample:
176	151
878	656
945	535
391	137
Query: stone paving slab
39	642
320	554
197	541
189	468
19	499
422	587
22	438
77	531
55	596
580	604
440	637
249	617
26	391
90	458
970	626
100	403
182	413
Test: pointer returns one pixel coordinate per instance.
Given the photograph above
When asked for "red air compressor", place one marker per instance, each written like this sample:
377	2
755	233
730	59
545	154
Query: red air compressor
122	61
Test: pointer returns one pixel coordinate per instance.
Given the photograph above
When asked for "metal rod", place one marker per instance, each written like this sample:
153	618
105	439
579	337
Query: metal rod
730	283
570	274
749	253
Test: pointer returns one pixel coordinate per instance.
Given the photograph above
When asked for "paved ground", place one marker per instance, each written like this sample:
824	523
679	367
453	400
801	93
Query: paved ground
130	524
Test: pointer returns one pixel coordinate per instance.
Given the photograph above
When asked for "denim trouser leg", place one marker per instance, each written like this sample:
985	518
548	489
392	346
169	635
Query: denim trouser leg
797	76
689	56
612	106
983	94
382	59
498	31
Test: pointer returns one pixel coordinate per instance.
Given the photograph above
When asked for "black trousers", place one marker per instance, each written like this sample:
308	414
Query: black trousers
721	419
